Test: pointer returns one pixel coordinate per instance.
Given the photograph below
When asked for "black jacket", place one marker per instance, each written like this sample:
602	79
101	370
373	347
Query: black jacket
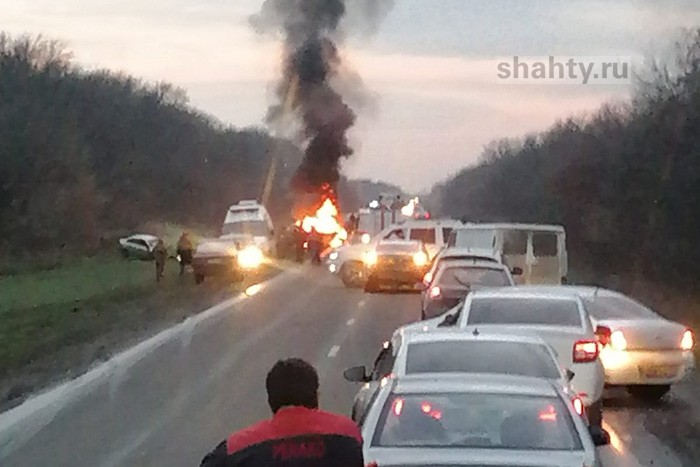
293	437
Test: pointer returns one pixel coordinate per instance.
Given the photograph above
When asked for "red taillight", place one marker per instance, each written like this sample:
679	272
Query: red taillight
578	405
585	351
687	342
428	278
603	334
398	406
435	292
549	415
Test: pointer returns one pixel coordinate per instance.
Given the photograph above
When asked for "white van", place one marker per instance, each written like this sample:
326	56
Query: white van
433	233
538	249
250	218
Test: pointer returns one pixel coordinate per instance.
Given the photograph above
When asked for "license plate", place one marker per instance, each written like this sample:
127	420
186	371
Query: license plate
659	371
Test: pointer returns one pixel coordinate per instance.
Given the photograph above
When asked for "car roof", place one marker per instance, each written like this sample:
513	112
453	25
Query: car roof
474	382
463	251
454	335
515	226
528	291
146	237
400	242
475	263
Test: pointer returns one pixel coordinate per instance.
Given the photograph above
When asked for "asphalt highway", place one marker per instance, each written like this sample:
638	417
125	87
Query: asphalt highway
172	398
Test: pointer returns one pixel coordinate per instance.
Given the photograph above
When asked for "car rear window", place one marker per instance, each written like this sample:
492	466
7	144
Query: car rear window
493	357
476	420
617	308
466	277
527	311
425	235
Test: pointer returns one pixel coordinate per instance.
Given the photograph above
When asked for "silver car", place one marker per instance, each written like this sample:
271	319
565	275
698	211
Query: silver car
450	352
493	420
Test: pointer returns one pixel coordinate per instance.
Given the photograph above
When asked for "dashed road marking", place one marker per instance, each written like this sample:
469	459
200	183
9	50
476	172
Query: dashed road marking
362	303
334	351
350	322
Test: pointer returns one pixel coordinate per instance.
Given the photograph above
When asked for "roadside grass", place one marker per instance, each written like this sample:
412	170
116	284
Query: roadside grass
56	323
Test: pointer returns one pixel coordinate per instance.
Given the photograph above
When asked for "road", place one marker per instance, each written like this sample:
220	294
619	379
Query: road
171	399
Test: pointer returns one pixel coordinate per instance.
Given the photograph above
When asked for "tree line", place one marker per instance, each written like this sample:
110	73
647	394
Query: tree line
88	153
624	181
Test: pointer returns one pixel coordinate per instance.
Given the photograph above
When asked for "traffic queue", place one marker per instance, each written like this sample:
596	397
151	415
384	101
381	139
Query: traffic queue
506	364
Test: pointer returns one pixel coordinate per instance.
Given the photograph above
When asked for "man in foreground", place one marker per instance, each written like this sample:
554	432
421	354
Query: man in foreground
298	434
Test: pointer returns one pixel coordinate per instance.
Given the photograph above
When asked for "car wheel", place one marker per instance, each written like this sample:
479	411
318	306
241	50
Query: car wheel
352	275
650	393
595	414
198	278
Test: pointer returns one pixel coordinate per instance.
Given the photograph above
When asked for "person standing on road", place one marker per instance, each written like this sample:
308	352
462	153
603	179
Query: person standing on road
298	434
160	254
184	251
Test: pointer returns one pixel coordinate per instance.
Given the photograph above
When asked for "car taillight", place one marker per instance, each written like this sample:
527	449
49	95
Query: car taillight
687	342
603	334
578	405
398	407
428	278
585	351
435	292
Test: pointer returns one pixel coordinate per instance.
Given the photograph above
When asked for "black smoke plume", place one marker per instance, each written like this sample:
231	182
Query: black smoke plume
311	31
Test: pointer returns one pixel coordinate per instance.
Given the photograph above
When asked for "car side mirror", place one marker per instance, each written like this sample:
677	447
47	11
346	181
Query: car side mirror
599	436
569	375
516	271
356	374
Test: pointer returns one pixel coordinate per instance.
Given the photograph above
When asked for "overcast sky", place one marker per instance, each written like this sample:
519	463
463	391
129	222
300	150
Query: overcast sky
431	68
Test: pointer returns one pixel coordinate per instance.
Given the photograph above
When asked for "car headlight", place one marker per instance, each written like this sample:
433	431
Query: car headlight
333	256
250	257
370	258
420	259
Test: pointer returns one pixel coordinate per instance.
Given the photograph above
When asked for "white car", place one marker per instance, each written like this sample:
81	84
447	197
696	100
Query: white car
347	261
555	314
641	350
138	246
476	420
451	351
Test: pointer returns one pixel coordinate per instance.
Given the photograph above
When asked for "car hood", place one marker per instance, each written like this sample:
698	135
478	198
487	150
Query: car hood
406	456
220	247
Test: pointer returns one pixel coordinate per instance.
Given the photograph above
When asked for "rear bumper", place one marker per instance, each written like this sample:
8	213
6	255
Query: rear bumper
641	367
215	266
396	275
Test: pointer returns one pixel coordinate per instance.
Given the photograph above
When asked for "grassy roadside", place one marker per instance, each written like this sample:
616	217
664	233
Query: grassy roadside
55	324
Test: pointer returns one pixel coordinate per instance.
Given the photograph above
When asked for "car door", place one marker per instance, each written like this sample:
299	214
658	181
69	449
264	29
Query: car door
383	367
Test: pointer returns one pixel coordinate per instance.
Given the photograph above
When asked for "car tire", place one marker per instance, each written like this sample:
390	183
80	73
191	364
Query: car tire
198	278
649	393
595	414
352	275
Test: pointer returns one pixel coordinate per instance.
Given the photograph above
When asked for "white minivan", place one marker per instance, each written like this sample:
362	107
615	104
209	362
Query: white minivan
249	218
538	249
433	233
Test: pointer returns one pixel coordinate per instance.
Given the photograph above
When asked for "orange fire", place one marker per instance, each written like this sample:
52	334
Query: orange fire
326	222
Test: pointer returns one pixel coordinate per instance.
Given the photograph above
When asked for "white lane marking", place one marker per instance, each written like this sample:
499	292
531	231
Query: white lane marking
334	351
362	303
19	424
350	322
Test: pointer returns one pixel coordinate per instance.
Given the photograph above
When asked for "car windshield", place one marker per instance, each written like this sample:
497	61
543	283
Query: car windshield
617	307
524	310
468	276
256	228
510	358
476	420
397	248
